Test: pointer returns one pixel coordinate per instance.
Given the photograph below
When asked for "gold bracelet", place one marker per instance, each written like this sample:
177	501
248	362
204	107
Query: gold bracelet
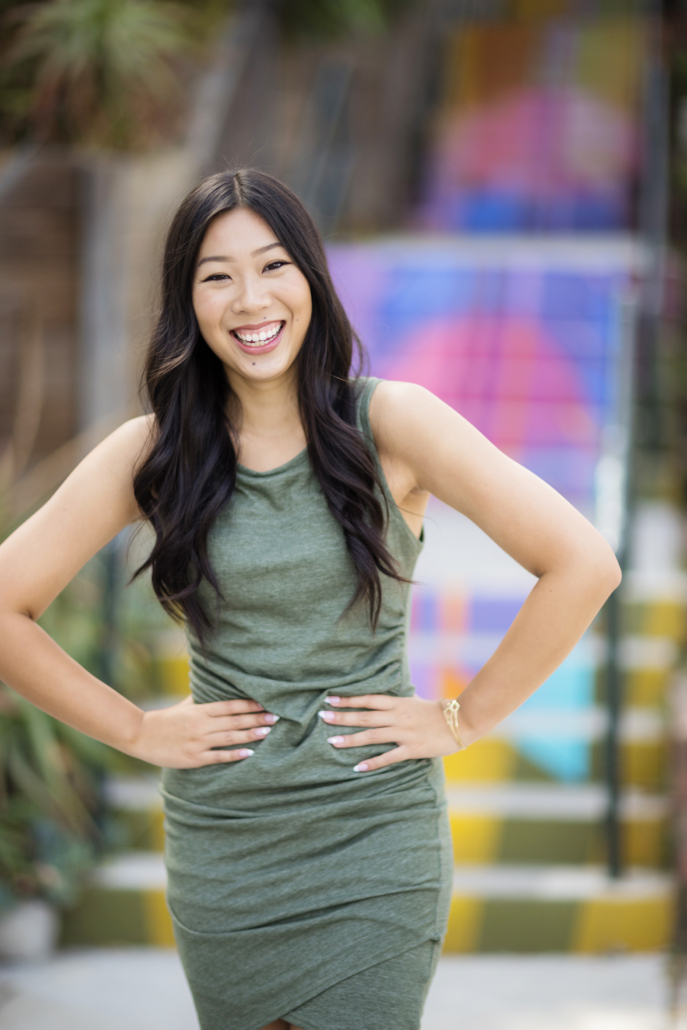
450	709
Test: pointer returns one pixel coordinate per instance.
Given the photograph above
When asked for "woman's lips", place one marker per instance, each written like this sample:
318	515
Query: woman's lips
262	348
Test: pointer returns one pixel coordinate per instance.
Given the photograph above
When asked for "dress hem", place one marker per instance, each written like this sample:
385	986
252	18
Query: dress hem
382	955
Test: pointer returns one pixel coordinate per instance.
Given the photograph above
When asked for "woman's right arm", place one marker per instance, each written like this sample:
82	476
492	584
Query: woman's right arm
38	560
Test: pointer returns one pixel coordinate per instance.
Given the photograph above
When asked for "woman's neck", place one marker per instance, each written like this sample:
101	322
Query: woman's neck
267	420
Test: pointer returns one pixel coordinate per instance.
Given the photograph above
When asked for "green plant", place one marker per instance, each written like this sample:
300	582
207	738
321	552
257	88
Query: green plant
53	824
95	71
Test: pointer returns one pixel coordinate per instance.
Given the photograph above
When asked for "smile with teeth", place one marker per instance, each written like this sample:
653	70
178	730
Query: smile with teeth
257	339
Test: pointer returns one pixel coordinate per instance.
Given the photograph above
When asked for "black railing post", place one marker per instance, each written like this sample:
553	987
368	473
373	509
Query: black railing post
613	755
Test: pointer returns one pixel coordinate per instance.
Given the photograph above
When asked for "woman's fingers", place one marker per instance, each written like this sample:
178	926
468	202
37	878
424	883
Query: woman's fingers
355	718
397	754
236	706
378	701
211	757
236	736
241	722
384	735
418	728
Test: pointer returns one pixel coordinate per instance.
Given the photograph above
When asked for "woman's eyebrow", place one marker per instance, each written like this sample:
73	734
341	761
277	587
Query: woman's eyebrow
219	257
203	260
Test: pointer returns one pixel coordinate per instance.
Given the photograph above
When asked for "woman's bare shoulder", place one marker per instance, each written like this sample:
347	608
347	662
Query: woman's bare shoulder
127	446
143	430
108	471
135	432
396	409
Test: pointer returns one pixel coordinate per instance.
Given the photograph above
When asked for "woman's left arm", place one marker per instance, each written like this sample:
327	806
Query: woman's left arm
432	448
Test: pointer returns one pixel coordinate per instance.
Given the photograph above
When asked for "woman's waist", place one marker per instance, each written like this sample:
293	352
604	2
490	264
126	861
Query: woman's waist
295	698
288	769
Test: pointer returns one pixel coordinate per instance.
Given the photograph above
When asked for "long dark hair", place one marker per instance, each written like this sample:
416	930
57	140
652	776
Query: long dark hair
189	473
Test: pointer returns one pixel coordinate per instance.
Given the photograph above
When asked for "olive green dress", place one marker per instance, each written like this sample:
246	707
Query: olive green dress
297	887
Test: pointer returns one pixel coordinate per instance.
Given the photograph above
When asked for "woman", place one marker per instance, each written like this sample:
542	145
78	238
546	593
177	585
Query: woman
309	874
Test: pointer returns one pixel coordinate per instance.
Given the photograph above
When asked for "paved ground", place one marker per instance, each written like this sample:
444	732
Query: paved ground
144	989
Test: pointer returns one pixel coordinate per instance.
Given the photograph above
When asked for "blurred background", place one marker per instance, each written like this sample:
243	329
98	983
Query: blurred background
502	189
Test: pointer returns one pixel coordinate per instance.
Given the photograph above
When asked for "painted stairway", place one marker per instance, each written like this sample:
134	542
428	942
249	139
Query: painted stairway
528	834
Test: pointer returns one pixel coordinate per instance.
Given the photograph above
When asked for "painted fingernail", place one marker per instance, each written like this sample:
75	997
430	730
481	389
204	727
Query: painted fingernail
327	716
360	767
246	752
335	740
271	718
262	731
332	700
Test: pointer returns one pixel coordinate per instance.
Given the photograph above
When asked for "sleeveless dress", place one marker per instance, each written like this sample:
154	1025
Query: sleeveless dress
298	888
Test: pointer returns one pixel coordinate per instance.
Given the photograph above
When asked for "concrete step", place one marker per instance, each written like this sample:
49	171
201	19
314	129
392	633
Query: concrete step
580	803
136	804
494	908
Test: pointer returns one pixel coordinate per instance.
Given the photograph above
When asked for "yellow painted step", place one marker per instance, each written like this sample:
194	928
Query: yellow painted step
173	671
487	838
496	760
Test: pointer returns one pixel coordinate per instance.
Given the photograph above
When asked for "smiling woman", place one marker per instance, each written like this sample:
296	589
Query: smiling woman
307	887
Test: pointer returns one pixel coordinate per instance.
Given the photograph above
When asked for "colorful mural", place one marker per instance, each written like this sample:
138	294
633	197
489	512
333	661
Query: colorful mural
537	127
525	348
523	339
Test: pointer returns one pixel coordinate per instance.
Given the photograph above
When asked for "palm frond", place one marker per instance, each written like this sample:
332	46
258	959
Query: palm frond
94	63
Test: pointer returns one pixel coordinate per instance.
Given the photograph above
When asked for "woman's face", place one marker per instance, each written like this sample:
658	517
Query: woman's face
252	303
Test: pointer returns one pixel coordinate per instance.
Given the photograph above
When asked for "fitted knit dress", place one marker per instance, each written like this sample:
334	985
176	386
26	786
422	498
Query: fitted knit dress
297	887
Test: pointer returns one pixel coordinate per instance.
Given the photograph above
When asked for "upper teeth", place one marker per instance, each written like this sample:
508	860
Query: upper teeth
265	334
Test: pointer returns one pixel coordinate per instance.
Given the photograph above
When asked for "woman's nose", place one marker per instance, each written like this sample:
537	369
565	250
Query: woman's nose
250	294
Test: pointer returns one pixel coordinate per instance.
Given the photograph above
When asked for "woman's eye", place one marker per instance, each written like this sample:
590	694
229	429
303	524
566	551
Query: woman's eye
275	264
216	277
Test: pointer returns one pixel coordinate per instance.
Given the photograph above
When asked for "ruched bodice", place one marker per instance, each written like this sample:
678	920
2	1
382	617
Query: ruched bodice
287	578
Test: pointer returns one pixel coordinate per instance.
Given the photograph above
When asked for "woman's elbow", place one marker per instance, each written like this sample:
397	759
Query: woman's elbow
593	566
606	571
615	574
